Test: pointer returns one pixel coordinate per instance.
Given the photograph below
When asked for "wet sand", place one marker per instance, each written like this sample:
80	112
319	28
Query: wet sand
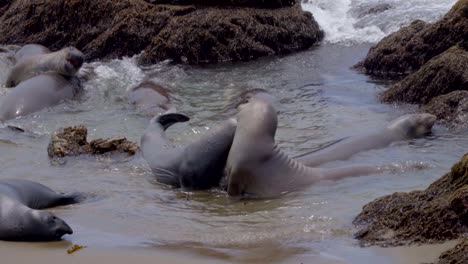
56	252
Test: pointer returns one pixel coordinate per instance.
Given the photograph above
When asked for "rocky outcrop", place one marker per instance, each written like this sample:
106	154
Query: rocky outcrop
451	108
436	214
408	49
251	3
71	141
456	255
184	33
442	74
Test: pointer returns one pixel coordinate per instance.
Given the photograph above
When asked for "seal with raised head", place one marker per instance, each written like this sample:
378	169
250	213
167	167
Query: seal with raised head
39	92
403	128
197	165
66	62
30	50
256	167
20	217
150	98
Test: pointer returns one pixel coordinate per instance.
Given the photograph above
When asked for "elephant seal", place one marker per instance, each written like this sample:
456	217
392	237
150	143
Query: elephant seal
403	128
198	165
150	98
66	62
20	219
257	168
37	93
28	51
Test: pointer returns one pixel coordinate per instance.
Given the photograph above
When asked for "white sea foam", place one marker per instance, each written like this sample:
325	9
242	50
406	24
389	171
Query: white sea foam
358	21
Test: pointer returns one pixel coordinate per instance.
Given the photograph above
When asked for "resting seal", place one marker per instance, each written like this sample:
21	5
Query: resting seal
30	50
20	218
66	62
256	167
37	93
198	165
150	98
403	128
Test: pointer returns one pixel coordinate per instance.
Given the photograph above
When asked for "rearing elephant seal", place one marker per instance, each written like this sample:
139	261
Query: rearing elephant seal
256	167
403	128
66	62
19	218
37	93
198	165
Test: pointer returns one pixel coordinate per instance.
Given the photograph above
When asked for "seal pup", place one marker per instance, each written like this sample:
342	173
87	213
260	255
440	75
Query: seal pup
403	128
39	92
257	168
195	166
66	62
20	219
28	51
150	98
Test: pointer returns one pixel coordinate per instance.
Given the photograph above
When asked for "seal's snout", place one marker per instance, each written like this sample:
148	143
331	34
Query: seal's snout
76	60
62	228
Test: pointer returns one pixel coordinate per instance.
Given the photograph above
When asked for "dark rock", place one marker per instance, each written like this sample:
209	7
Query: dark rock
451	108
196	34
250	3
71	141
443	74
436	214
408	49
238	34
456	255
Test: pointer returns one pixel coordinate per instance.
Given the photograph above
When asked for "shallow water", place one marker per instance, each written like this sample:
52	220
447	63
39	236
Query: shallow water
319	99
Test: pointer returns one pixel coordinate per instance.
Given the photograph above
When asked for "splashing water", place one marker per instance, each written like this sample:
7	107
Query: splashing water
359	21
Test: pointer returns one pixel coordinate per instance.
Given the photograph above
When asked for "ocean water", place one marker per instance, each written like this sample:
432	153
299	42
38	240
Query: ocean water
358	21
320	99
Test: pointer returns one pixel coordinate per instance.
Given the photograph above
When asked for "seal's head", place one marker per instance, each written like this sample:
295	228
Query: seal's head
414	125
43	226
73	60
257	117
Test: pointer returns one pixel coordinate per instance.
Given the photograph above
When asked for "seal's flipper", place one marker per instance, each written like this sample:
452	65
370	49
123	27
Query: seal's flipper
167	120
69	198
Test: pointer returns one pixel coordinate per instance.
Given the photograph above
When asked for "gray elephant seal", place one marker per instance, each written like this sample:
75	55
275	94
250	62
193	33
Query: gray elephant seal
256	167
403	128
66	62
198	165
20	219
150	98
30	50
37	93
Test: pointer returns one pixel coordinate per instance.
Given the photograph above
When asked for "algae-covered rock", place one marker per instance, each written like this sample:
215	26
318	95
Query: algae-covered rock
436	214
408	49
451	108
71	141
443	74
251	3
456	255
108	29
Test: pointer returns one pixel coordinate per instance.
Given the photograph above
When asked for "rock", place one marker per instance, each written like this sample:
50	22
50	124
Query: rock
436	214
456	255
251	3
109	29
215	35
71	141
408	49
442	74
451	108
366	9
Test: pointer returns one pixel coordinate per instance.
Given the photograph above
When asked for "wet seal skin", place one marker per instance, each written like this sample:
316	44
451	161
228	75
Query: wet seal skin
20	217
